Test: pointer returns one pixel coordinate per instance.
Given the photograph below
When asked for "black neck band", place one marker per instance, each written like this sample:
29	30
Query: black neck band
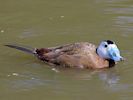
111	63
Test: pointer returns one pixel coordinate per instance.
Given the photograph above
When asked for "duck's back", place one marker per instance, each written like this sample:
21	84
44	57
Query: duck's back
81	55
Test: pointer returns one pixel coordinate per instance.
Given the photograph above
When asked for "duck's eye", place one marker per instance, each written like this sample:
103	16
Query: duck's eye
105	45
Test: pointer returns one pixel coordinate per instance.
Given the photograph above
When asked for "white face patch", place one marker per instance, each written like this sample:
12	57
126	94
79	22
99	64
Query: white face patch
112	45
102	50
109	51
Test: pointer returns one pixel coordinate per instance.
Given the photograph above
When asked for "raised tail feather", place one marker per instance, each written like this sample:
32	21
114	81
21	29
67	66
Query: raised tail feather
22	48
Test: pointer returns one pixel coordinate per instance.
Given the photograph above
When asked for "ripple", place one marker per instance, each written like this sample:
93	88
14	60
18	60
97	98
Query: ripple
120	10
28	33
120	87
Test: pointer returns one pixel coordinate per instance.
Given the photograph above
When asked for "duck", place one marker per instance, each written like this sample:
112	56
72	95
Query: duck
77	55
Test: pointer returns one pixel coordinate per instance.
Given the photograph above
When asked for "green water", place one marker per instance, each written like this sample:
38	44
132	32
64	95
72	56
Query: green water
45	23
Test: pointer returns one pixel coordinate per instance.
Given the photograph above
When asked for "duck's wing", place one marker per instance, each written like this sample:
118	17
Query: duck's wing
68	49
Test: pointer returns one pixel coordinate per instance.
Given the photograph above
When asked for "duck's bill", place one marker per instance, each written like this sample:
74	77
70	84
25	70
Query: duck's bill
114	54
119	58
123	59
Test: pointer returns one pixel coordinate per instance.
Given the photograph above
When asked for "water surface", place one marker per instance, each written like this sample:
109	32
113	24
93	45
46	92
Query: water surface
45	23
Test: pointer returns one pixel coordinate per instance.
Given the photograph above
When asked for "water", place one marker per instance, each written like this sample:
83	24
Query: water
45	23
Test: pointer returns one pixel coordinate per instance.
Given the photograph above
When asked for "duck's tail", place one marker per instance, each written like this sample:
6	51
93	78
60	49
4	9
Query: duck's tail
22	48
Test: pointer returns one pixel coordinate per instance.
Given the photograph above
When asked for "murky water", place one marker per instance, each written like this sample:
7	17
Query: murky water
45	23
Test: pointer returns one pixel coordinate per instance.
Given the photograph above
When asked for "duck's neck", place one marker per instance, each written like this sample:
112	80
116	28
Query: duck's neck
96	51
111	63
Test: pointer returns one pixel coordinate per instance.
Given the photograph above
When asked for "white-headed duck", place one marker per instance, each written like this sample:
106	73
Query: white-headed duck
80	55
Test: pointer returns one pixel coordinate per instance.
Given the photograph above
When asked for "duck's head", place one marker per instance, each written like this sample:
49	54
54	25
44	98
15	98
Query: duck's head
107	49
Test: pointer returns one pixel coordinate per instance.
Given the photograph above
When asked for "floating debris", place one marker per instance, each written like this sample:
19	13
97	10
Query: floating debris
54	69
15	74
62	16
2	31
32	78
8	75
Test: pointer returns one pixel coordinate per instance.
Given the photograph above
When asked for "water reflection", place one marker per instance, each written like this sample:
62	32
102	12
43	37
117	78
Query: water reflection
110	79
107	76
69	80
28	81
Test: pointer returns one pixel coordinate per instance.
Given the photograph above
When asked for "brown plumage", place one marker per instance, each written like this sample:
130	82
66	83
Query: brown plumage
80	55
